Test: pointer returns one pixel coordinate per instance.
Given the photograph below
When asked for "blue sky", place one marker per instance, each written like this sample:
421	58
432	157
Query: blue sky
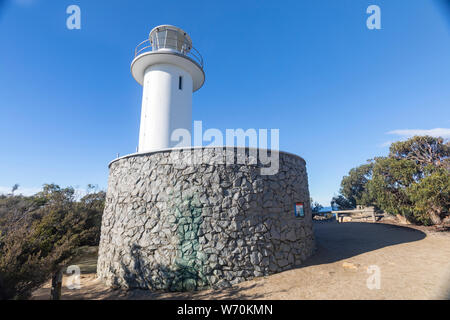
337	91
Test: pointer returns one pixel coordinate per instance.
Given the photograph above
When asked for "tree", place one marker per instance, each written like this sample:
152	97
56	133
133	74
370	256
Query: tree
315	206
353	188
37	241
14	188
341	202
412	181
431	197
423	150
390	178
20	270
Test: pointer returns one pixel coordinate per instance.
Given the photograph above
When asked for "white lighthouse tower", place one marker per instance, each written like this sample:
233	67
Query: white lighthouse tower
169	70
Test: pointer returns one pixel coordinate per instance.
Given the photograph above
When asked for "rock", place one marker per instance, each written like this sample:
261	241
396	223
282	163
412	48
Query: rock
175	223
275	234
189	284
401	219
220	245
291	235
349	265
283	263
255	258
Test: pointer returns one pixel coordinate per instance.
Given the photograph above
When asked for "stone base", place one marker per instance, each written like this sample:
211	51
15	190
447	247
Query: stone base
174	223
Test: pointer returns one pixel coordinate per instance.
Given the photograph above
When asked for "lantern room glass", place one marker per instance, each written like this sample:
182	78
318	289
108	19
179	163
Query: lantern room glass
170	39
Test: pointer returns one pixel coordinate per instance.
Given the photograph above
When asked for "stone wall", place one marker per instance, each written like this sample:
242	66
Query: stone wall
173	225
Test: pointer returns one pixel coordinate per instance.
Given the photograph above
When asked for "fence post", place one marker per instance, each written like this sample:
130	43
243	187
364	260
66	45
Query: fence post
56	285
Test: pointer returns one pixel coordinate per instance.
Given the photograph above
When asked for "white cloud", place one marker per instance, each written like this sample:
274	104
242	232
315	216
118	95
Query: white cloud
408	133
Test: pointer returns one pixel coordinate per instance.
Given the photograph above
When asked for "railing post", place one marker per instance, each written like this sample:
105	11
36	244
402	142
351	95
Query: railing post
190	52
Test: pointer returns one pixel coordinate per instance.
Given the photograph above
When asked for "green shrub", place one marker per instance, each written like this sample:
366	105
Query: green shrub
40	234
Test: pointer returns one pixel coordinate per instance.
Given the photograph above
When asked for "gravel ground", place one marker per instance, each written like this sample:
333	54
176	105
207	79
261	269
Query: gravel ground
413	263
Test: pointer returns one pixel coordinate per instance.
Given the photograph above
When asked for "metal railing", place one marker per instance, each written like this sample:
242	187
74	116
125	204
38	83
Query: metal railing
172	44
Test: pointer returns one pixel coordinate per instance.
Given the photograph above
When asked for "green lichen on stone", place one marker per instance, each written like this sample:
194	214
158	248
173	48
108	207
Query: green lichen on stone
189	263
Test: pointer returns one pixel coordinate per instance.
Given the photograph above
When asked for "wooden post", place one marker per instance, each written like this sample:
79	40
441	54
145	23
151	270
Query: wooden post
56	285
372	213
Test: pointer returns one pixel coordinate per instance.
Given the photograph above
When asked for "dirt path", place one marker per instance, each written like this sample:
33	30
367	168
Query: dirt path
412	265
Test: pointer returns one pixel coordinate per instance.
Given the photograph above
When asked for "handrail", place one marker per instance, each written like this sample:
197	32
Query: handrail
190	52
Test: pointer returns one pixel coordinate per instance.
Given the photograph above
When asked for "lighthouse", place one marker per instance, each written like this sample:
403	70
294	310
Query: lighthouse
169	69
174	224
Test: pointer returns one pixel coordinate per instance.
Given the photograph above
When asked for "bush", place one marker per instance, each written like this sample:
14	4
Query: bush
40	234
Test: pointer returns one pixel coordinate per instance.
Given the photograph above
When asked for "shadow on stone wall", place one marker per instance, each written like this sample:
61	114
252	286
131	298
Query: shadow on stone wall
175	280
180	277
339	241
187	271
